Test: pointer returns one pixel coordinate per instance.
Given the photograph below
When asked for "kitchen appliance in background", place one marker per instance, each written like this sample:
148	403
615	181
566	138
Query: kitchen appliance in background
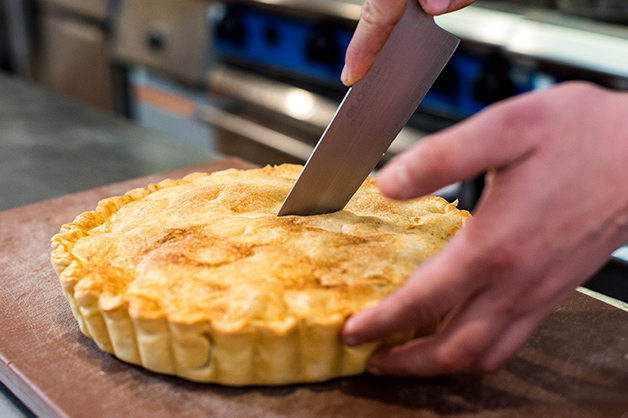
165	47
268	53
16	36
607	10
71	52
5	49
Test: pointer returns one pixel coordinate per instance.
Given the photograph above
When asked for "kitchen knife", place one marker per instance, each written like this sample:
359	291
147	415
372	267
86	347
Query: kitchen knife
372	113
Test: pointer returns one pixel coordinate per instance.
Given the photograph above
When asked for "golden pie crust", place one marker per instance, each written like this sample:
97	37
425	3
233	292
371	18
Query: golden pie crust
200	279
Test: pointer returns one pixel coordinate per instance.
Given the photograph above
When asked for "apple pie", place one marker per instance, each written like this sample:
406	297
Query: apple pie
200	279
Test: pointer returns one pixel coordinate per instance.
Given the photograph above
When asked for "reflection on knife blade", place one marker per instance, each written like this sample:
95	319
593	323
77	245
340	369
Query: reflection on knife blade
372	113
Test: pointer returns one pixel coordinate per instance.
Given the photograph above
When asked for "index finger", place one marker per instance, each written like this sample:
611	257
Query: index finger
377	22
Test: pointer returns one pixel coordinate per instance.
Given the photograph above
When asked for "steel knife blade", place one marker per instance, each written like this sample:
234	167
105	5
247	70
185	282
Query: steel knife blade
371	115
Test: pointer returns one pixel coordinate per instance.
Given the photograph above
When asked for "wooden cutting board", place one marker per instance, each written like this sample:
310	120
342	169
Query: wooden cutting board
575	364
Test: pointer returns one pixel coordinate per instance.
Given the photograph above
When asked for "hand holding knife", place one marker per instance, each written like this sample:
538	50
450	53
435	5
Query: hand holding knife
373	112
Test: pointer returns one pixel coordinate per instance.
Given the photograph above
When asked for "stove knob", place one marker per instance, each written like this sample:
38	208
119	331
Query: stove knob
321	47
447	81
156	40
230	27
271	36
493	83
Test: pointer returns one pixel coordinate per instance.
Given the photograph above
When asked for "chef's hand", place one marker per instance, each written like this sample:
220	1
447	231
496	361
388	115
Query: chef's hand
377	21
555	207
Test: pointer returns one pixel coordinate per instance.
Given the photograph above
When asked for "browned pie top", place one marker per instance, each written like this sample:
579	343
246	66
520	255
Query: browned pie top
210	247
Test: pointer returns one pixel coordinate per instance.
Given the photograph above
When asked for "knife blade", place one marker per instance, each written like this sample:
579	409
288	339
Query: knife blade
371	115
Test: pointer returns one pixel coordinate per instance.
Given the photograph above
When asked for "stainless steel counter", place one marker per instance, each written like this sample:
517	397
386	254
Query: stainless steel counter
51	146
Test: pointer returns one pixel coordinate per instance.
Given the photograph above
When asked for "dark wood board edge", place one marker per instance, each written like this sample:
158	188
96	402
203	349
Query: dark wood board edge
27	393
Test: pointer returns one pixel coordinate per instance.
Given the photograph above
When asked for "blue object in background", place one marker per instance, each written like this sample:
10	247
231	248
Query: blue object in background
315	50
292	45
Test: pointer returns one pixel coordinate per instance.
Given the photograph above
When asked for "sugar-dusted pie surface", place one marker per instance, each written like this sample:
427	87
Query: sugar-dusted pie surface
199	278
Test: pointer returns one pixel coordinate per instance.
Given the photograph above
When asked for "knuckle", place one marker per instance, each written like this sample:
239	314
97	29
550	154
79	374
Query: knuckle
490	365
579	97
416	314
580	88
465	359
489	255
437	159
456	359
518	116
377	13
371	14
504	258
550	105
505	308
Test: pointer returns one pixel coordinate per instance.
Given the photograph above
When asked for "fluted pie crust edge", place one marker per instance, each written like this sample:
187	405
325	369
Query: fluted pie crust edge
108	259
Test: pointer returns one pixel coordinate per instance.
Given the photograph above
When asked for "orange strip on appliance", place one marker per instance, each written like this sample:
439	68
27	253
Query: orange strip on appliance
165	100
